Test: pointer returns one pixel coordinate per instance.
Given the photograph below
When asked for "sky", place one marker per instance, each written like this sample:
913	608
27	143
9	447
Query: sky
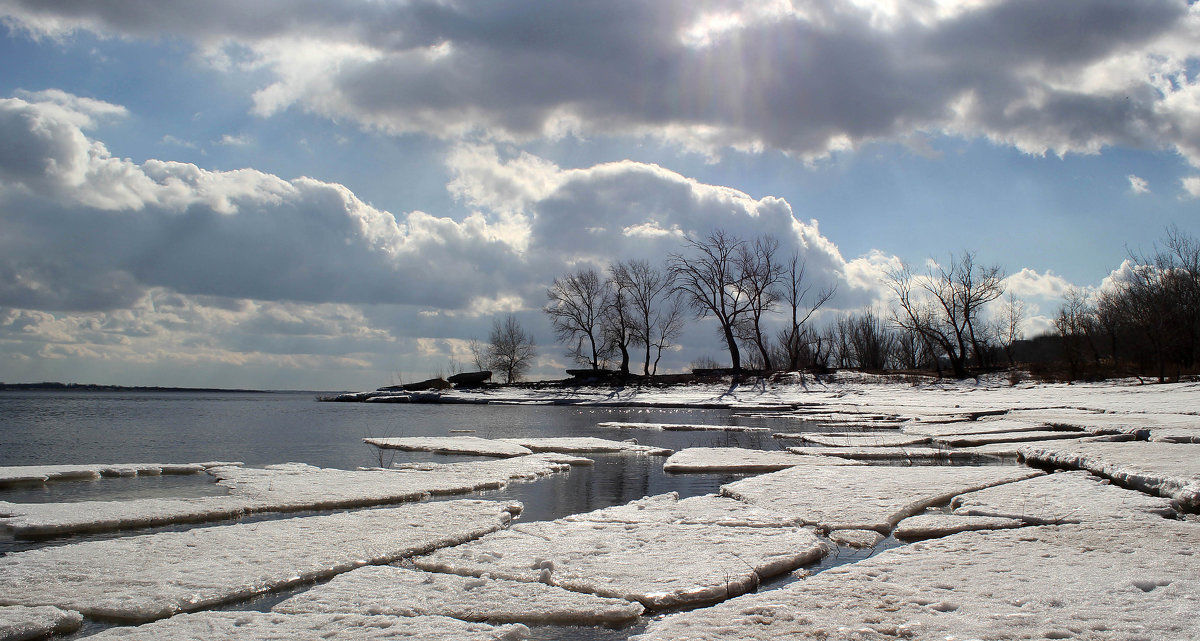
321	194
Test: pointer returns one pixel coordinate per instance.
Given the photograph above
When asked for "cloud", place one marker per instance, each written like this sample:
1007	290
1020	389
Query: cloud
1138	185
807	78
1191	185
1031	283
230	140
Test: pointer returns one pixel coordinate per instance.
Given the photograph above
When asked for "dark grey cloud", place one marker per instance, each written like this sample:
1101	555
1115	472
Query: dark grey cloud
806	78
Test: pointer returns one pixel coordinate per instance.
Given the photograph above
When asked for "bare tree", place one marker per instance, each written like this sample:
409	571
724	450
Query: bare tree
657	317
479	355
710	281
668	327
617	322
510	348
759	273
1008	325
943	306
576	308
797	301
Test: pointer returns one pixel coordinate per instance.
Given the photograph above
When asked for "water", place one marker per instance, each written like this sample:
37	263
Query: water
265	428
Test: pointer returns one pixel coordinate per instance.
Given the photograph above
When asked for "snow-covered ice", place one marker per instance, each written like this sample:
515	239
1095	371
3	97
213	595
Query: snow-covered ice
1062	497
858	439
709	509
971	440
586	445
1166	469
279	488
146	577
1165	427
929	526
273	626
736	459
856	538
1089	581
681	427
403	592
450	445
25	474
985	426
915	453
659	565
20	622
872	498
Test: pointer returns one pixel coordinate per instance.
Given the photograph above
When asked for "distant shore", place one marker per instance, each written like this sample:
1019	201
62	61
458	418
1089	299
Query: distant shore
52	386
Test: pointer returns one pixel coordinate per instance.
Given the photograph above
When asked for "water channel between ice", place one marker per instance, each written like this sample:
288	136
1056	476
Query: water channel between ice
261	429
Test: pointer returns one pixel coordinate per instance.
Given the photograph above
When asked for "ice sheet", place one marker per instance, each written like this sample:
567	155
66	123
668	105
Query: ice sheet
736	459
1166	469
656	564
1165	427
856	538
929	526
19	622
982	426
709	509
450	445
25	474
865	498
403	592
279	488
271	626
971	440
585	445
862	439
681	427
1063	497
140	578
1086	581
915	453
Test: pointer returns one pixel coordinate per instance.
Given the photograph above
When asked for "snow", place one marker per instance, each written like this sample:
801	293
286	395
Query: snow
24	474
1063	497
929	526
709	509
1165	469
403	592
1013	449
916	453
859	439
1002	437
681	427
659	565
450	445
278	488
586	445
140	578
1089	581
267	626
19	622
736	459
985	426
875	498
856	538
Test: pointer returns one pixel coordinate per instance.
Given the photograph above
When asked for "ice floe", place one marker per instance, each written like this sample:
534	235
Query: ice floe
25	474
1062	497
857	439
709	509
1165	427
970	440
993	426
681	427
1166	469
450	445
140	578
586	445
20	622
657	564
273	626
403	592
929	526
285	487
874	498
856	538
1089	581
736	459
915	453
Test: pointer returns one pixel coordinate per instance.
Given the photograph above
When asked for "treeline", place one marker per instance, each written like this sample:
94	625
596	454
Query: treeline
1147	323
